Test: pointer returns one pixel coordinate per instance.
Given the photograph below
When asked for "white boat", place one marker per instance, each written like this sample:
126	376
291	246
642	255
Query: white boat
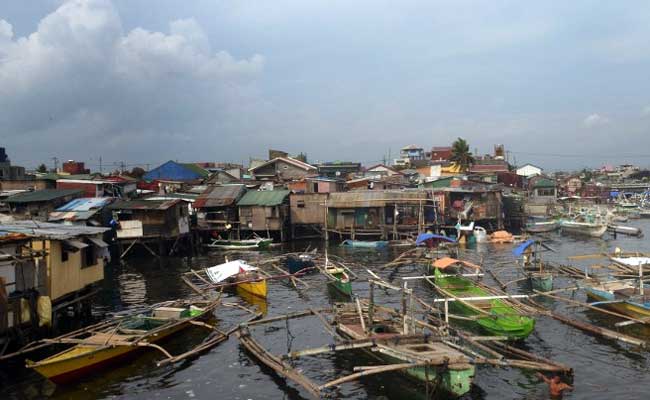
247	244
541	226
480	234
625	230
593	229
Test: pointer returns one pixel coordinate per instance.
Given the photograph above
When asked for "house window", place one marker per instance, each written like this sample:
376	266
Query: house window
89	255
300	204
546	192
64	255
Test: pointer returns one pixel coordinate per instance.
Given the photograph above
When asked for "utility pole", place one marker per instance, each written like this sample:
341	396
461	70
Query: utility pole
100	165
56	164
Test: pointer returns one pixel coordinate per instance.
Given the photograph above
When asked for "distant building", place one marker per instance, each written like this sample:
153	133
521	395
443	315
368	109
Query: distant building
265	212
75	168
283	169
8	171
441	153
528	170
412	152
338	169
381	170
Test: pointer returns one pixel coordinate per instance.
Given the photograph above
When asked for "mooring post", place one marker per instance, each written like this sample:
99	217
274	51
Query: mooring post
371	304
446	310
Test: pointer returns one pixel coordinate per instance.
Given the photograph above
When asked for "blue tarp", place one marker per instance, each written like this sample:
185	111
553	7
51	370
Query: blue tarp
173	171
519	250
423	237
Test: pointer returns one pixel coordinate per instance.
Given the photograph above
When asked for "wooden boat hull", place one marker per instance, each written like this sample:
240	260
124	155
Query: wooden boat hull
503	319
258	289
455	382
585	229
631	309
240	244
344	288
542	227
541	282
81	360
296	264
363	244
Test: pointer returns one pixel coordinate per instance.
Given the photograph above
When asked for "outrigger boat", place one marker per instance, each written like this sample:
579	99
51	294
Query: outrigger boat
338	279
95	347
541	226
494	315
245	244
364	244
407	347
245	277
533	266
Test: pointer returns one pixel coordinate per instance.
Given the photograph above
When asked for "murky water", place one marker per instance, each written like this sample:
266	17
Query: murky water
603	368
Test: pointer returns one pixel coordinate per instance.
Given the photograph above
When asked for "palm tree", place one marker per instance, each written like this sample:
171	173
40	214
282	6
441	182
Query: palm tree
461	155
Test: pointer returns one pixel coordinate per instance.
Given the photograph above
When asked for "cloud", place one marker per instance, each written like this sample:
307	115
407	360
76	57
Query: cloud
80	83
595	120
646	111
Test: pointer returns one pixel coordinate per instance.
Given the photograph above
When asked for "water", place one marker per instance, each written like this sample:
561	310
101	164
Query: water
604	369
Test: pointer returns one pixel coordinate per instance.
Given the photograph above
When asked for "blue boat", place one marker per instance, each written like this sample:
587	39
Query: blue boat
296	264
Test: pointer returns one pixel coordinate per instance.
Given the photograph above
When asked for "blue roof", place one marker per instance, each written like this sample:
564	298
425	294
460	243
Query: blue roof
173	171
423	237
85	204
519	250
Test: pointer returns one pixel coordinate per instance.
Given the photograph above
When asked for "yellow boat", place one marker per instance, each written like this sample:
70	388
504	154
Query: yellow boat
115	340
258	289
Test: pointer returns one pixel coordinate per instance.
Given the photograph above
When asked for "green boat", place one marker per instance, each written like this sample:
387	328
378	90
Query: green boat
493	316
339	280
450	372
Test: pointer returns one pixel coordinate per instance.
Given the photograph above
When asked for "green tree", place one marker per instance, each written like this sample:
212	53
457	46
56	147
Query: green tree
42	168
461	155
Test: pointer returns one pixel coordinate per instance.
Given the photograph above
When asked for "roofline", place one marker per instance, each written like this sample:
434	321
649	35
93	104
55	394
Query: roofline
290	160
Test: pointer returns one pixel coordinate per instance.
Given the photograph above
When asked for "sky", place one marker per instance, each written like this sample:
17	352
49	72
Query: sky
563	85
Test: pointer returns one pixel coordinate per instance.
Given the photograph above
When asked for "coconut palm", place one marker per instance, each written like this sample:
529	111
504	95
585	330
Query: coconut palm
461	155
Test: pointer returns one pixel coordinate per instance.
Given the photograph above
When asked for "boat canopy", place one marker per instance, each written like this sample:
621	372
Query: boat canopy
632	261
221	272
423	237
519	250
446	262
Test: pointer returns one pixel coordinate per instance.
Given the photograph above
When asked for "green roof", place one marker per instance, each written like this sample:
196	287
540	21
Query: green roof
263	198
438	183
41	195
195	168
544	183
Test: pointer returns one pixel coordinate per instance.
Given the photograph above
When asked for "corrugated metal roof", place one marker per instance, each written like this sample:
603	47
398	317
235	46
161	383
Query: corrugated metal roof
86	204
71	215
174	171
144	204
220	196
374	198
264	198
41	195
48	230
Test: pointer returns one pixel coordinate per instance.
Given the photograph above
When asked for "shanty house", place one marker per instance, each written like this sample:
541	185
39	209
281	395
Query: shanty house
529	170
338	169
384	214
265	211
542	196
216	207
151	218
37	205
83	211
283	169
45	267
469	200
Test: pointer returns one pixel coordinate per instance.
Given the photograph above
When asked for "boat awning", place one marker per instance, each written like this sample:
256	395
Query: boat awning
519	250
98	242
632	261
423	237
75	244
221	272
446	262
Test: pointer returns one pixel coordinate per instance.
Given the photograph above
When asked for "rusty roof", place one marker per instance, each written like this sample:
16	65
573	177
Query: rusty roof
144	204
375	198
220	196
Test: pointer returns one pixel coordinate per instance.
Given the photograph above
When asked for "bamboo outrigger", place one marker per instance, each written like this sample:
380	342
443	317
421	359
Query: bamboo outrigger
110	341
